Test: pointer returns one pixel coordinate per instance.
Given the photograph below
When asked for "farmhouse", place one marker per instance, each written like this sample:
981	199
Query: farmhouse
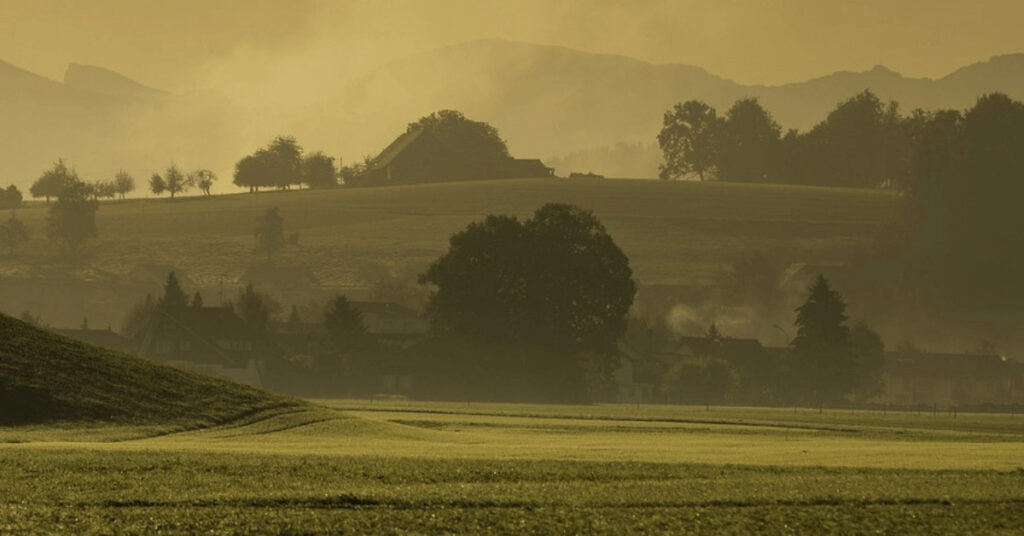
418	156
212	341
949	380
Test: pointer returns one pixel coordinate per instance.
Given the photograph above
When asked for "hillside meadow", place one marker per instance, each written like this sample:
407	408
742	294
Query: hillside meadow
673	232
414	467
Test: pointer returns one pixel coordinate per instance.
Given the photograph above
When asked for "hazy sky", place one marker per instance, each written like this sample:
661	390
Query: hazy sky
185	44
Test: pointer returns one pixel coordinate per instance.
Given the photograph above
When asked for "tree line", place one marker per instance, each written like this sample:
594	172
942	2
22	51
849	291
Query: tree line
862	143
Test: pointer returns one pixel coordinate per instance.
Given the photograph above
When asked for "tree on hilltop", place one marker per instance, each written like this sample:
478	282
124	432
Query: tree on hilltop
689	140
203	179
173	181
124	183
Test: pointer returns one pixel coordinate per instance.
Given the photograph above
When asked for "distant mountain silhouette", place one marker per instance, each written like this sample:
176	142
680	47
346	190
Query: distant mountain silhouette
106	82
545	100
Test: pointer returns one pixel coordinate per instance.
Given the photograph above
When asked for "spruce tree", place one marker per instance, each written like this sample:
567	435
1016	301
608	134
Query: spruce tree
822	348
174	296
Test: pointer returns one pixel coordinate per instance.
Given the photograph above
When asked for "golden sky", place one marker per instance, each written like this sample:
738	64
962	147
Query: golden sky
220	44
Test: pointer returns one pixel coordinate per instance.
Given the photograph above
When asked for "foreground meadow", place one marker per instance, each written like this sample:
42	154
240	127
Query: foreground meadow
399	467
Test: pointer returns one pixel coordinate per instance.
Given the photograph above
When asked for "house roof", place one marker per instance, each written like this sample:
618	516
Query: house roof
396	147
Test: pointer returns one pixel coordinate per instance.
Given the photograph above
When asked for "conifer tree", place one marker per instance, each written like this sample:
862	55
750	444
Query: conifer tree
174	296
822	348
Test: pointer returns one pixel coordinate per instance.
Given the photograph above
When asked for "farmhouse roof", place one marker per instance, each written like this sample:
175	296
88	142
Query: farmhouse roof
396	147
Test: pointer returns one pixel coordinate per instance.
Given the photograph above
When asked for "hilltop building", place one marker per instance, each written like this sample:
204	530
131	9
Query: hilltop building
418	156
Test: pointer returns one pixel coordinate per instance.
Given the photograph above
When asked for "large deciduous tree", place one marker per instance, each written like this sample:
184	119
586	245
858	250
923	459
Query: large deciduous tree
549	294
689	140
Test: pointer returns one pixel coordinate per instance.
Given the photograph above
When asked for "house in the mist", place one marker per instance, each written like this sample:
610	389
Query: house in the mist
915	379
213	341
418	156
103	338
646	363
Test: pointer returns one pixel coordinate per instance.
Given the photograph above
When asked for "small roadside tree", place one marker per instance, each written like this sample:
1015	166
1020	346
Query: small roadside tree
269	233
72	218
13	233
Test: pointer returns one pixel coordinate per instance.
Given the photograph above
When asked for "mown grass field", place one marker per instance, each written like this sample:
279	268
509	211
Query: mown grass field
673	232
394	467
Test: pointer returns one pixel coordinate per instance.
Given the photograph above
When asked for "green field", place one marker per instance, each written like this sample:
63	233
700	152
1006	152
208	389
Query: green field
398	467
673	232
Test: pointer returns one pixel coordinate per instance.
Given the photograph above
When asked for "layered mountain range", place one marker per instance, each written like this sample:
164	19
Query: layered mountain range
546	101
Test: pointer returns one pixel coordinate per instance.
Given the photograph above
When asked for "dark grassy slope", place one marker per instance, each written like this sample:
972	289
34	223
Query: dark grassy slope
48	378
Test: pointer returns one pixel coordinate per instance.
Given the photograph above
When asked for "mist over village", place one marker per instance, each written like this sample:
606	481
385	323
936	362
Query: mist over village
445	267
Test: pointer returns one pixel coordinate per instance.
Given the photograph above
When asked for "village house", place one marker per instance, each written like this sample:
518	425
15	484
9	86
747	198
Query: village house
915	379
211	341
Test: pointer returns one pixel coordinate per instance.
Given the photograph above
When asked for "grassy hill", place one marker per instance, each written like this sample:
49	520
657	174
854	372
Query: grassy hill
673	232
45	378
